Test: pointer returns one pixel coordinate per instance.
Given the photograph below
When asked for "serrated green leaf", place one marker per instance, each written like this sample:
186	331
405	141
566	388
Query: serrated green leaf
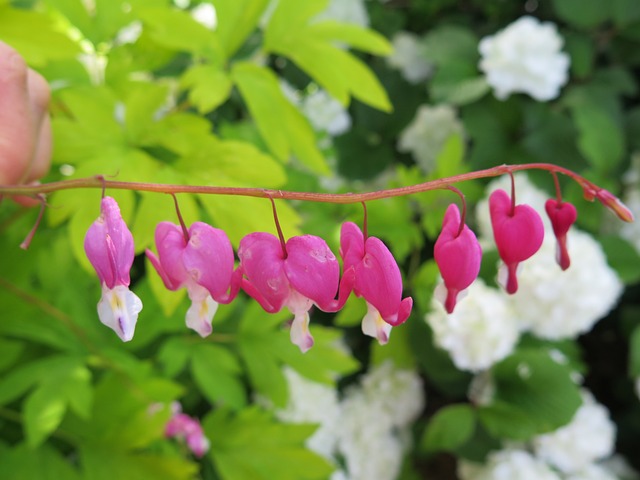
291	16
208	86
283	127
353	35
254	446
107	463
35	36
44	463
449	428
174	355
43	411
216	371
256	216
236	21
141	104
176	29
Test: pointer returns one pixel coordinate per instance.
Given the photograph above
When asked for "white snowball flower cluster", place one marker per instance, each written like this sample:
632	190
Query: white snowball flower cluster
312	402
325	113
509	464
525	57
592	472
375	420
427	133
553	304
409	57
368	430
480	332
589	437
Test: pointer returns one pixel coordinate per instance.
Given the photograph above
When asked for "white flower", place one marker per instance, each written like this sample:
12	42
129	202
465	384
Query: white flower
376	415
129	33
591	472
525	57
556	304
427	133
409	57
205	14
590	436
507	464
346	11
312	402
326	113
480	332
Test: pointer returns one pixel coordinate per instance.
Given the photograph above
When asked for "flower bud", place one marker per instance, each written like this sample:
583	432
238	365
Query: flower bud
562	216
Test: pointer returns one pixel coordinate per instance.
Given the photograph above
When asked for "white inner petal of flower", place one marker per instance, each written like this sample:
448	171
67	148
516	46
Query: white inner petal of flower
118	309
374	326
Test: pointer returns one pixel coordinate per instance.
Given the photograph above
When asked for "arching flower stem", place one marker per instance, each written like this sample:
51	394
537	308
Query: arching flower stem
591	190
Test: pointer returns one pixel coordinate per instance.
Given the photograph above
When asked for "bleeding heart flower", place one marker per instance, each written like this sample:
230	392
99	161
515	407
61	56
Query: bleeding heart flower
458	255
187	428
376	278
562	216
518	233
305	273
200	260
109	247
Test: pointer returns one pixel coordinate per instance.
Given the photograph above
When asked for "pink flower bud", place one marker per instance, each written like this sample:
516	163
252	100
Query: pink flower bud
518	232
458	255
109	247
203	265
306	273
562	216
377	279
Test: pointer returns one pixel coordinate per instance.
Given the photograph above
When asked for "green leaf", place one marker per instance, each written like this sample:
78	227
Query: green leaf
600	138
217	372
623	258
43	463
208	86
310	47
237	19
43	411
503	420
256	216
582	13
35	36
107	463
254	446
11	351
537	387
353	35
176	29
174	355
449	428
283	127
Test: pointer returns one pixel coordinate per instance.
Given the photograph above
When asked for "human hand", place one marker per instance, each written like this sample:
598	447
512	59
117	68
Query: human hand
25	128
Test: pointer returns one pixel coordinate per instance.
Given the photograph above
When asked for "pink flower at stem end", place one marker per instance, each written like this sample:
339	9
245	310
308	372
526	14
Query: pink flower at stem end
562	216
